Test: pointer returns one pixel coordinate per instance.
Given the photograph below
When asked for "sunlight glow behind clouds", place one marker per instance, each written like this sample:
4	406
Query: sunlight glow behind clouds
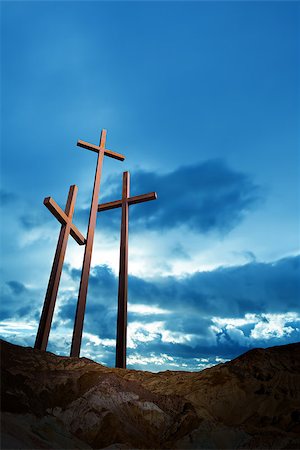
235	322
16	327
147	309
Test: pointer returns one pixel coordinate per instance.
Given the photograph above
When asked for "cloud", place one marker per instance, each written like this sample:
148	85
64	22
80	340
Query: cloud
235	335
208	196
32	220
101	306
276	326
258	330
146	309
254	288
16	287
178	252
17	301
6	198
221	313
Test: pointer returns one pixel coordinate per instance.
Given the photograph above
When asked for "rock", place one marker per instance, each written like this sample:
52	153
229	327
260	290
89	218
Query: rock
51	401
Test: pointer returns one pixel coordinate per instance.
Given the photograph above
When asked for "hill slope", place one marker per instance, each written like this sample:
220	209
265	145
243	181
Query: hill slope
50	401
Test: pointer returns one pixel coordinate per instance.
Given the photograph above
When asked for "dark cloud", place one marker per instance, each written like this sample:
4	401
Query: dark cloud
16	287
234	291
191	306
32	220
6	198
205	197
24	311
101	306
18	301
193	301
231	291
68	309
5	313
99	318
102	282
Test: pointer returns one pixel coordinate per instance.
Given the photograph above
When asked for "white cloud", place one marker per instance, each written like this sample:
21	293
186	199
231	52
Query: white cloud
265	327
95	340
8	327
141	332
175	337
162	361
202	360
18	332
236	322
274	326
146	309
221	360
149	251
145	360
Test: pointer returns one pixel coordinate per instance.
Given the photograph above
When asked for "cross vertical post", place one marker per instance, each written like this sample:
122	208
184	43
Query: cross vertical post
124	203
67	228
123	277
83	288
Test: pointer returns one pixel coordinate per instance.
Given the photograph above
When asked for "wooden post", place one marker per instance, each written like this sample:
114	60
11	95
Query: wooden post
83	288
65	218
123	267
123	277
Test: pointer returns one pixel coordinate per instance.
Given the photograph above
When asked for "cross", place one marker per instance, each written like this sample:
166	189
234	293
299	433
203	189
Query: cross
83	288
67	227
123	268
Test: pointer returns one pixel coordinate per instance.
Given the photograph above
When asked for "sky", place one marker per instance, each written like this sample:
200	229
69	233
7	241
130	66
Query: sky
203	99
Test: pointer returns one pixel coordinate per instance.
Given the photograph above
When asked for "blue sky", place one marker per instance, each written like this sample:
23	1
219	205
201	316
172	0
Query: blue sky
203	99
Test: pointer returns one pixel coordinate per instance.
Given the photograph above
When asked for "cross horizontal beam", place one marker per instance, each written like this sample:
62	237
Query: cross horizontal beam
131	201
62	217
65	218
124	203
96	148
84	280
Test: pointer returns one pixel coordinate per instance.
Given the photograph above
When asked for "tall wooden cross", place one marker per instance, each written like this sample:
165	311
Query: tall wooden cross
123	269
67	227
79	318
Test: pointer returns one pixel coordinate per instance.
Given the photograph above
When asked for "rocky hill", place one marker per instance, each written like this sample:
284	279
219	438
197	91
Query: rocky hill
49	401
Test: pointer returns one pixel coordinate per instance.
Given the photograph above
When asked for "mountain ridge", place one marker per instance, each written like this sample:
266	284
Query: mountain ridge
50	401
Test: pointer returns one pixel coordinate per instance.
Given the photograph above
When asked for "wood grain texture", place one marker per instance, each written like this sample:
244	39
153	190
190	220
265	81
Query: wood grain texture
124	203
83	288
67	227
